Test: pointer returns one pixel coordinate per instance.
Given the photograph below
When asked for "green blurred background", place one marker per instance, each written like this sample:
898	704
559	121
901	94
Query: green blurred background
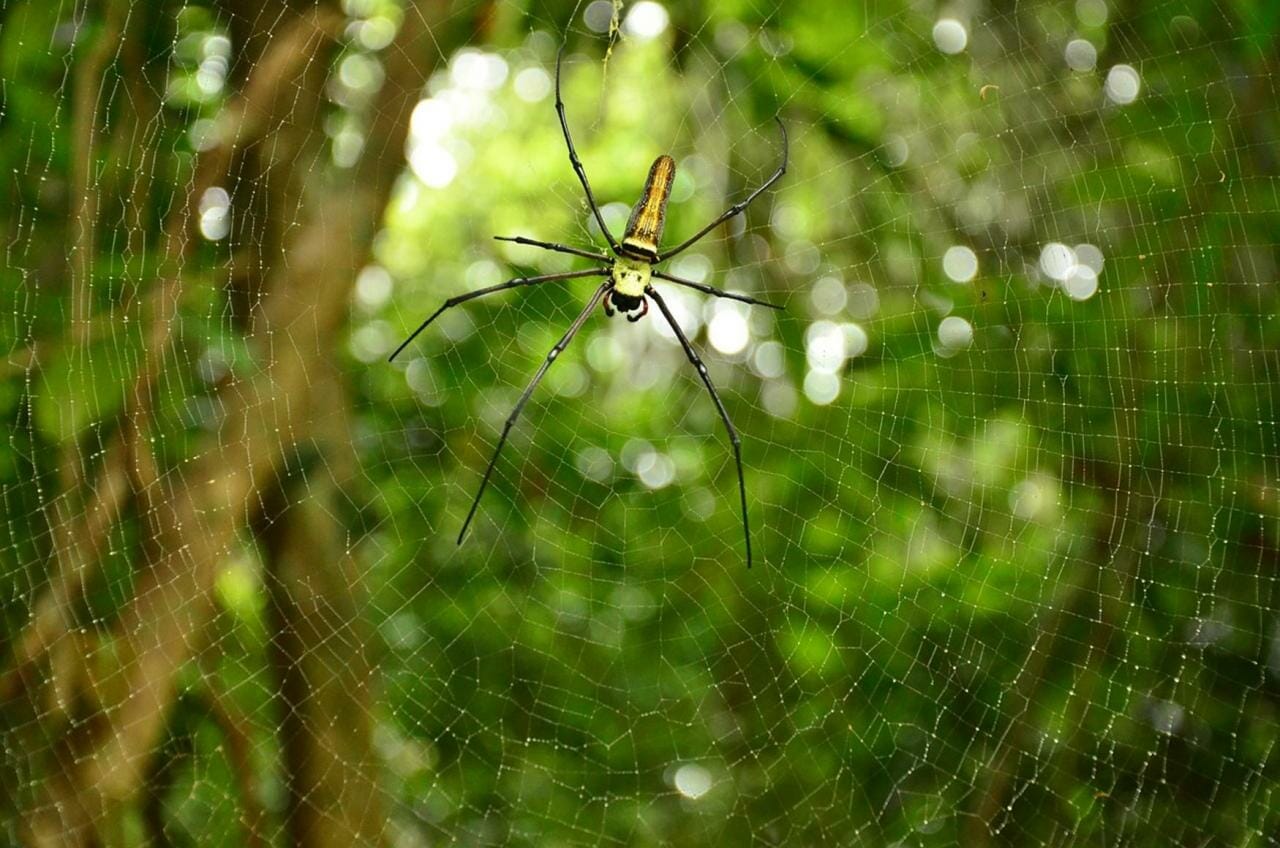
1011	449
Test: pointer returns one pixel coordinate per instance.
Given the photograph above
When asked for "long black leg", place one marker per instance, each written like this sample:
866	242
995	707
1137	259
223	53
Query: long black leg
509	284
524	398
703	287
724	414
737	207
577	163
559	248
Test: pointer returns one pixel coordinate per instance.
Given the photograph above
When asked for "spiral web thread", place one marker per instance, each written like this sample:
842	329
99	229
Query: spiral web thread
1011	448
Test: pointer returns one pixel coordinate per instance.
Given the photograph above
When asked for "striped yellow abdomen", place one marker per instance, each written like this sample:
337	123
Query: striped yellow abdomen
644	230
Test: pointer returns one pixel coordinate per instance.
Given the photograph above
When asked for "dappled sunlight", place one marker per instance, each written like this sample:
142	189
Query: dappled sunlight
382	469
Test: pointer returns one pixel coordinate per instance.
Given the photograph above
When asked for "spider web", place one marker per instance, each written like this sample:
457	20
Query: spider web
1010	449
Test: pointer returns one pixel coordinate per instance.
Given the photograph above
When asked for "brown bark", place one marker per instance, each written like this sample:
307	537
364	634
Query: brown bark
261	109
204	507
326	686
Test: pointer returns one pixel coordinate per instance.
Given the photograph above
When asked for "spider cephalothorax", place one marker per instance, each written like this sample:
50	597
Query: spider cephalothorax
629	278
629	274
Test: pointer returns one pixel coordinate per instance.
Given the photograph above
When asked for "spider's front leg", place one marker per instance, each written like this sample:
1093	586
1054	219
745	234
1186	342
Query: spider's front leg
644	310
608	306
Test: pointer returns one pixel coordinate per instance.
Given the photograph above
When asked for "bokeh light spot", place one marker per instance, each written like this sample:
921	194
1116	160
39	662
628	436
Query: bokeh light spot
692	781
955	333
646	20
1123	84
950	36
960	263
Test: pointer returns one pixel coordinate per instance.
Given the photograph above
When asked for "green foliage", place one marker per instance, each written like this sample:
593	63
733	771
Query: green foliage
1026	583
85	385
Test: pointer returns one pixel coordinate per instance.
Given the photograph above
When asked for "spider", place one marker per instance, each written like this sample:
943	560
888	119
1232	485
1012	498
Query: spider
627	287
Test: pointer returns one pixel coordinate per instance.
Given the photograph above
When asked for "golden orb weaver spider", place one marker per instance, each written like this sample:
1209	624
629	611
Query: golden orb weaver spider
626	289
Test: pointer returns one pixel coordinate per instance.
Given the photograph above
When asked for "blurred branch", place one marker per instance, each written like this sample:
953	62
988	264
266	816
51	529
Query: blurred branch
263	106
97	518
235	727
1108	554
208	506
135	150
163	773
319	649
78	541
87	88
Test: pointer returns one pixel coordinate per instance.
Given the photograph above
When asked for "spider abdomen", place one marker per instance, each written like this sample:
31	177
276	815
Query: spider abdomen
644	230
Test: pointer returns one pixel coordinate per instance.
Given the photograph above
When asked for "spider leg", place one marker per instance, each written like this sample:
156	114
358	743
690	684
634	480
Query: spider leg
644	310
703	287
524	398
608	305
577	163
737	207
559	248
724	414
509	284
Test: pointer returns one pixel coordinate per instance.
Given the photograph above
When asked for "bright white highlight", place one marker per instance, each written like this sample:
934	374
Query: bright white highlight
376	33
215	213
824	347
821	388
431	119
532	85
692	781
646	20
656	471
428	159
373	286
828	346
828	296
728	331
1057	260
1081	283
950	36
770	360
960	263
474	69
1090	255
855	340
1081	55
434	165
1075	270
1123	84
955	333
361	73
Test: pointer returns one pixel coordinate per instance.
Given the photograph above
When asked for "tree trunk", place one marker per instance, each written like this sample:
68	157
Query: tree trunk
199	513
